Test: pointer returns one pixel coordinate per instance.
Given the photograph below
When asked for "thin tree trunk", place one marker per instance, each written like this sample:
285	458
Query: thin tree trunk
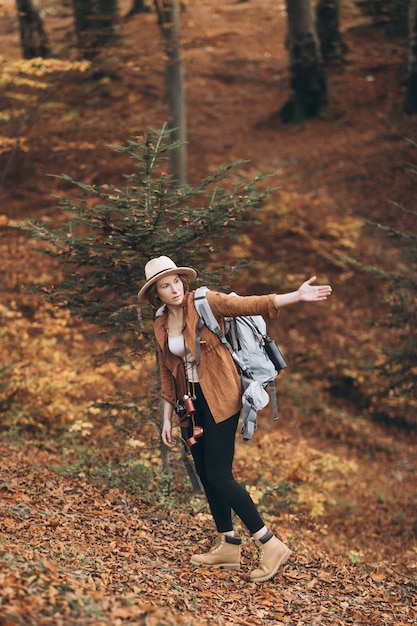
410	106
138	6
332	47
97	25
164	450
33	38
308	82
169	20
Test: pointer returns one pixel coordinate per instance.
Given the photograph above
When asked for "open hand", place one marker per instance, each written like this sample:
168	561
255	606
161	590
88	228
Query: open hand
310	293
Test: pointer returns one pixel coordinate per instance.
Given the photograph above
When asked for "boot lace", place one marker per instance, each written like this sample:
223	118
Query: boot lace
220	541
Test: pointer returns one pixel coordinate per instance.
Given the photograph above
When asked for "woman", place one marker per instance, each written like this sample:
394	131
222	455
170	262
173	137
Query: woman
215	387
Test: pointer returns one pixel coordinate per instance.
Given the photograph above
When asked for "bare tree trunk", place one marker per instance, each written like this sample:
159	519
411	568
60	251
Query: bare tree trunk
308	82
33	38
97	25
164	450
138	6
332	47
169	20
410	106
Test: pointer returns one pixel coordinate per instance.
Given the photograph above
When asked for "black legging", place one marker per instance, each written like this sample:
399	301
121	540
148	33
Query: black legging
213	457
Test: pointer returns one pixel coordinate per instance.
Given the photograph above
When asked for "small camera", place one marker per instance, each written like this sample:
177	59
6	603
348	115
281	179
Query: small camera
185	406
186	409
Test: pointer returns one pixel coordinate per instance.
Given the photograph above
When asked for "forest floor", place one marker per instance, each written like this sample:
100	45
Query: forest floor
74	551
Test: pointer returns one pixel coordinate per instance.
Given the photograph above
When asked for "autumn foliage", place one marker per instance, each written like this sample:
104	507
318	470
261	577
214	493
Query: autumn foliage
96	524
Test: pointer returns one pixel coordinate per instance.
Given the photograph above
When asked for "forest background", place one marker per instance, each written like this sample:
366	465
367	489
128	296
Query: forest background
92	530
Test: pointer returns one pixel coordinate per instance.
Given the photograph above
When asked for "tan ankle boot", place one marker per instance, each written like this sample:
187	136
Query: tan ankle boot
272	554
225	553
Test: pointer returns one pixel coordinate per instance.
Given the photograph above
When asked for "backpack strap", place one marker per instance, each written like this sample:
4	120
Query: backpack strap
207	318
254	399
274	400
159	312
248	414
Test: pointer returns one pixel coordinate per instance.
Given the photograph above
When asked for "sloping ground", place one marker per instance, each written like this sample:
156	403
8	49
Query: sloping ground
76	553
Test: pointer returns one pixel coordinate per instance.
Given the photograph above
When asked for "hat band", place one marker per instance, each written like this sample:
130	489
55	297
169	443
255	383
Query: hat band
168	269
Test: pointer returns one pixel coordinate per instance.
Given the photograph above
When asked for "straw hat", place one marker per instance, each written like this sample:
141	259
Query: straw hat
160	267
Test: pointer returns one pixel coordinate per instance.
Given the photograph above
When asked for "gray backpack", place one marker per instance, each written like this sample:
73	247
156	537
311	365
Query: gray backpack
257	358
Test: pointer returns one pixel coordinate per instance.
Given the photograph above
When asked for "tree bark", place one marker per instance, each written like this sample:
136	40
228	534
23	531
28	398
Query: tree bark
169	20
332	47
410	106
97	25
308	82
33	38
138	6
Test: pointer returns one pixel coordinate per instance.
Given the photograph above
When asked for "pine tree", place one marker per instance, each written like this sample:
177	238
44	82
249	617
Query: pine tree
396	398
113	231
110	232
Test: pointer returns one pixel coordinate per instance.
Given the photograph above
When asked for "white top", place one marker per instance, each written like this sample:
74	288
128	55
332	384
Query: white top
177	346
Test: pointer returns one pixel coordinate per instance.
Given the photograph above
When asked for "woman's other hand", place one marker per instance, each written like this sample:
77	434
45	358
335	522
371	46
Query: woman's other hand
311	293
166	434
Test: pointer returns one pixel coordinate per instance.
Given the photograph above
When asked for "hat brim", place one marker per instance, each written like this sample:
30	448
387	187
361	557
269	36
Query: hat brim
185	271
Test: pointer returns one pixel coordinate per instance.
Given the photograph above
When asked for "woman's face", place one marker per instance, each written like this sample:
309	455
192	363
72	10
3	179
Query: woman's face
170	289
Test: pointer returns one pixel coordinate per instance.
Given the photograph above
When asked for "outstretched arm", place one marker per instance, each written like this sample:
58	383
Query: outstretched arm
306	293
